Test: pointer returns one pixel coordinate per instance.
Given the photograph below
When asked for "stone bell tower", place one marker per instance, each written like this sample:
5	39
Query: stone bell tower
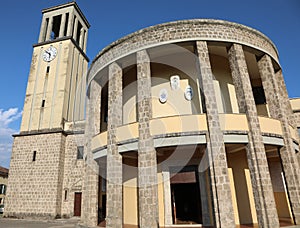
54	96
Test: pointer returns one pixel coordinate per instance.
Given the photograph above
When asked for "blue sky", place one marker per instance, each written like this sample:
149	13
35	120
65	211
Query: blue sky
110	20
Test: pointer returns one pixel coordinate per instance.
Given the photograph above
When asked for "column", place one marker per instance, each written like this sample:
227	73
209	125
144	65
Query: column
75	28
167	196
62	25
147	165
43	30
256	155
216	154
85	40
114	194
70	24
90	187
81	38
277	109
49	29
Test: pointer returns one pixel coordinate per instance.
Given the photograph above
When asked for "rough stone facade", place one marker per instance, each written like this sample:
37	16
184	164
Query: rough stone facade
256	154
114	159
39	181
147	164
46	173
216	153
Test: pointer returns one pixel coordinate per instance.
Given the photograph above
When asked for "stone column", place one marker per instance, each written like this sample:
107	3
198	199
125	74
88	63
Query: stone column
70	24
114	194
62	25
284	95
85	40
75	28
81	38
167	196
89	215
147	165
49	29
215	152
277	109
43	30
256	155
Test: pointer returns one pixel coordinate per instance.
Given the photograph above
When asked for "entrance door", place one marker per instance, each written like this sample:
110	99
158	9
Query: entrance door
77	204
186	202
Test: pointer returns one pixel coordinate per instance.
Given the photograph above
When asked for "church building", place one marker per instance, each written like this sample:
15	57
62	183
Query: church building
181	124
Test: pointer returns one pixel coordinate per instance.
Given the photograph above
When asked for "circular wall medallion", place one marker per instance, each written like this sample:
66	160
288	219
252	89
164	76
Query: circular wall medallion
163	95
188	93
175	82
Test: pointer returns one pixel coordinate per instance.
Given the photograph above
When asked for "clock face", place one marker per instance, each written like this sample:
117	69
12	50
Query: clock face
49	54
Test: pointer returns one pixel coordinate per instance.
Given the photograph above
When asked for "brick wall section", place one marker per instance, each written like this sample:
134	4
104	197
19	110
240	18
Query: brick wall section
215	145
277	108
34	187
198	29
284	95
147	164
256	155
89	215
114	203
73	173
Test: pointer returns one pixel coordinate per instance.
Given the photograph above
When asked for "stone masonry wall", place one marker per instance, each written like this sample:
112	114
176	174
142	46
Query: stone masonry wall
73	173
256	154
198	29
34	186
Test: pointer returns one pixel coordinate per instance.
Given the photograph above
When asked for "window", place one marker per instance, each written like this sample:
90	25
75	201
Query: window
48	69
43	103
259	95
34	156
80	152
2	188
66	194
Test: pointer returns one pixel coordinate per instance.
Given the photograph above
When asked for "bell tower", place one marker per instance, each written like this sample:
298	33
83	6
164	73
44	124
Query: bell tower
55	90
42	152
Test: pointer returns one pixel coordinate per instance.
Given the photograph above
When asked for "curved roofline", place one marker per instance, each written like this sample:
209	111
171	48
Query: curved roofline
203	21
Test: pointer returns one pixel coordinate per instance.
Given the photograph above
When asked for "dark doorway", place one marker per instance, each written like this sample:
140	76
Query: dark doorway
77	204
186	201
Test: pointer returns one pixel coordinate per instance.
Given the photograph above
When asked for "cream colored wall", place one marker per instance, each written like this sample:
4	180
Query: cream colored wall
54	88
239	175
295	103
129	96
268	125
233	122
281	200
176	103
161	206
223	84
130	201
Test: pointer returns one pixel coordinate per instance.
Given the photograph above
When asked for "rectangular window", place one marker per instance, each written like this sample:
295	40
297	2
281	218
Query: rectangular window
80	152
43	103
66	194
34	156
48	69
259	95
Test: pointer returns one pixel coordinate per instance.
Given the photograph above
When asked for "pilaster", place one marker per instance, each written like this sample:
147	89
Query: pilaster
75	28
62	25
277	109
49	29
114	203
256	155
216	153
147	164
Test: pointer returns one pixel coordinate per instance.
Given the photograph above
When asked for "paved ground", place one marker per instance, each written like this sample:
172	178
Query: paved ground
22	223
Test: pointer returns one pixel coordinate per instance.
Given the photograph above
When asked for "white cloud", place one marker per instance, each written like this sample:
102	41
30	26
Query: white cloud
6	118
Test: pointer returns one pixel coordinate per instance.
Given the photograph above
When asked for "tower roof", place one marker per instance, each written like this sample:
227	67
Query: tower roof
74	4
